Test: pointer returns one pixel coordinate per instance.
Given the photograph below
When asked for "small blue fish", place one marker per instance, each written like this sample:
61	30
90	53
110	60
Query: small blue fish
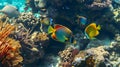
51	21
81	20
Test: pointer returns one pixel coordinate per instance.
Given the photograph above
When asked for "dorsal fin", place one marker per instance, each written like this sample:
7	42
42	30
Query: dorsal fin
58	26
98	27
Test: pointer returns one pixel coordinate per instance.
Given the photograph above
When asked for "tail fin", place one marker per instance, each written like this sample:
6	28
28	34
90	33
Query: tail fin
50	29
98	27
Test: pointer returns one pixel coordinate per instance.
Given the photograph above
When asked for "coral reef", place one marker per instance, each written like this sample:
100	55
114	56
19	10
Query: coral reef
9	48
32	43
29	37
117	37
113	50
87	58
28	19
67	57
32	21
95	4
42	36
12	58
91	57
116	12
98	53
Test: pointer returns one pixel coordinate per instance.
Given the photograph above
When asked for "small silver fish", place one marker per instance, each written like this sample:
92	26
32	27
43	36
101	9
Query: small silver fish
10	11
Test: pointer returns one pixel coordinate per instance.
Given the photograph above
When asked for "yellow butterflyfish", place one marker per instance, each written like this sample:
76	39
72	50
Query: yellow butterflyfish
92	30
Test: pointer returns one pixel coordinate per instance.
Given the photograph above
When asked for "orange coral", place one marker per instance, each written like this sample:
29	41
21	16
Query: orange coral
9	48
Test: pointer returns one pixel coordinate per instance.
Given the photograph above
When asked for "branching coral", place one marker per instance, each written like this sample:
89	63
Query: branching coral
28	36
9	48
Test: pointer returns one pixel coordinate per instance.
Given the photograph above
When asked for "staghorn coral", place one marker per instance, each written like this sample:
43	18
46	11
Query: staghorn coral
9	48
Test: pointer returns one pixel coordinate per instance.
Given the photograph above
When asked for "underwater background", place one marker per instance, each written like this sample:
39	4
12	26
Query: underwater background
59	33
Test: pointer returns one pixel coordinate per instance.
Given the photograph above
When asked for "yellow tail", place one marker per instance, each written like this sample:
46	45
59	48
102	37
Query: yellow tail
98	27
50	30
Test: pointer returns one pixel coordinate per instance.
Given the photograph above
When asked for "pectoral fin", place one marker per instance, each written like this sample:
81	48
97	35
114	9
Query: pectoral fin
65	38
